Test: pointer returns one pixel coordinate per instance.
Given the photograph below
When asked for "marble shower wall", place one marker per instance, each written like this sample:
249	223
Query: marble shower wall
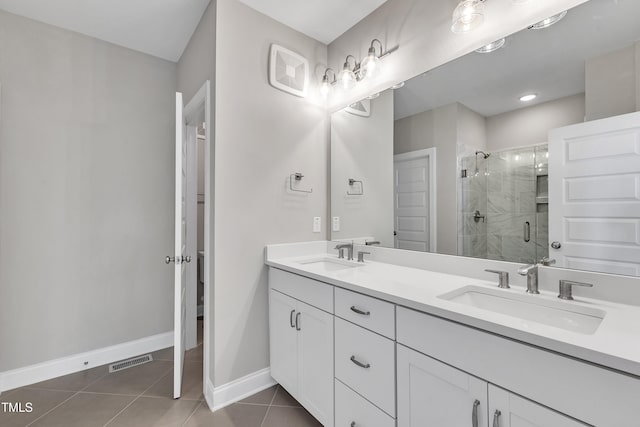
510	191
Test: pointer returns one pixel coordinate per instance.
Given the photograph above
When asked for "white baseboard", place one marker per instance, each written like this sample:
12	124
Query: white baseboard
67	365
225	395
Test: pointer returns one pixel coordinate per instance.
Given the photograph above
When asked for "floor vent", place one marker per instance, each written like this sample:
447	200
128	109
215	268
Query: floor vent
130	363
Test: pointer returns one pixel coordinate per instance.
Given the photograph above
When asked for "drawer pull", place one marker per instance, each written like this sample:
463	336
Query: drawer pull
357	310
474	413
298	321
291	319
359	363
496	418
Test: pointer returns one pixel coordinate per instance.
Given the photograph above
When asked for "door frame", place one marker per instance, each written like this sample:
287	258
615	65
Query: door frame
430	154
202	100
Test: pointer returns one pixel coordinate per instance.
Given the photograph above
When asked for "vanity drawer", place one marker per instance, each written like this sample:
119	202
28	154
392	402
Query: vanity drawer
365	361
371	313
353	408
312	292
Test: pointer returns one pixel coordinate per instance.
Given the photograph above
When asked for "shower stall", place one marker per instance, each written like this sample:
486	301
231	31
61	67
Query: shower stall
503	208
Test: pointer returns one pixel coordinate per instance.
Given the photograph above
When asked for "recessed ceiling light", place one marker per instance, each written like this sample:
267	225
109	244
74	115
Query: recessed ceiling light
397	86
529	97
374	95
546	23
492	47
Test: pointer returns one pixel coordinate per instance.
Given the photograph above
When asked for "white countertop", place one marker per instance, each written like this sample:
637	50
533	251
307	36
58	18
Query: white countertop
615	344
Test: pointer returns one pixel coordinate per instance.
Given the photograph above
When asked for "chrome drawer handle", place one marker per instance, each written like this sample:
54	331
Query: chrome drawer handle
291	319
357	310
357	362
474	413
298	321
496	418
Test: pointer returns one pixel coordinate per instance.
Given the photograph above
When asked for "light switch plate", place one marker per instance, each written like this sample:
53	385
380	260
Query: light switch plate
335	223
317	225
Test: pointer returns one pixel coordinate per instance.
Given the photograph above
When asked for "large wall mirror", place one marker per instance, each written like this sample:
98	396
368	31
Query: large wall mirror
525	153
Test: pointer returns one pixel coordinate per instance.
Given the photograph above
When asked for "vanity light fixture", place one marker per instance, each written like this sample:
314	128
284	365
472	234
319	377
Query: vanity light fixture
354	71
467	16
528	97
347	76
325	86
546	23
492	47
370	65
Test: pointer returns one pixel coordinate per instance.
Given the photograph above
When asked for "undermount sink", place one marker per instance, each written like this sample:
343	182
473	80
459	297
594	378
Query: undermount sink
328	264
584	320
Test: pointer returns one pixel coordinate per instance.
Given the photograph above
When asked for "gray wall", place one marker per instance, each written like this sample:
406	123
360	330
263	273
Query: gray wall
262	136
439	128
613	83
85	163
531	125
362	149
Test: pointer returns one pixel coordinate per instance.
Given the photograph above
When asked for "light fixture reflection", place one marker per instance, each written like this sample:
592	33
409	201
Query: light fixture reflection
492	47
529	97
546	23
468	15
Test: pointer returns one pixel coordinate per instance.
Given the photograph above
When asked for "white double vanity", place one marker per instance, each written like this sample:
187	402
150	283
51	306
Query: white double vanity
400	340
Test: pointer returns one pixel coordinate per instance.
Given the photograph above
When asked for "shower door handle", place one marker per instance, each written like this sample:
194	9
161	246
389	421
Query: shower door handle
526	231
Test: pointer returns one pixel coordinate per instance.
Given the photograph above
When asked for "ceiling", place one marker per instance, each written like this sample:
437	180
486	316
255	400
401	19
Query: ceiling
158	27
323	20
549	62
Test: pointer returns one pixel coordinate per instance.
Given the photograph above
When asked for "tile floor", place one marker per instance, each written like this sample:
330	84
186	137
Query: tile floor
141	396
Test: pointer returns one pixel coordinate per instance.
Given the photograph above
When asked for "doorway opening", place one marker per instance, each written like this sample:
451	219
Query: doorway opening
193	230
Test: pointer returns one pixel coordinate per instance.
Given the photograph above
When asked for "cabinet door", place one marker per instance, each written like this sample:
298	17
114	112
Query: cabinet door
509	410
431	393
283	340
315	362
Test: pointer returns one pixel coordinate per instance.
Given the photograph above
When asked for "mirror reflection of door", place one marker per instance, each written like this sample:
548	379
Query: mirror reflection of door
413	201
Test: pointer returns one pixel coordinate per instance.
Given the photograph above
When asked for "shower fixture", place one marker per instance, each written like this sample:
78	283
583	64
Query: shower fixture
484	156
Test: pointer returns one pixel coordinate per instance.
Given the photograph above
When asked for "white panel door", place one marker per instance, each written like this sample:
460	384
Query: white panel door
411	204
431	393
179	321
509	410
315	362
594	195
283	340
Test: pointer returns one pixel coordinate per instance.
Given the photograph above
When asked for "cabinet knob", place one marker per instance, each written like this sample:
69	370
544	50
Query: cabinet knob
474	413
357	310
496	418
359	363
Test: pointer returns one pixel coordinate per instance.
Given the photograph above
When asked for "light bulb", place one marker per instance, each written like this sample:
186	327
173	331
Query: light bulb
325	87
347	78
468	15
370	65
529	97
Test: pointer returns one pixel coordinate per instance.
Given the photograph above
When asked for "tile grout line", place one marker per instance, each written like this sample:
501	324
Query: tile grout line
191	414
67	399
269	407
137	397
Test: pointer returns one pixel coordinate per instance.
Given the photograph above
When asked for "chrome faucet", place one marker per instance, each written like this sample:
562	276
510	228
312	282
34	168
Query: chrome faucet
531	271
349	247
372	242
